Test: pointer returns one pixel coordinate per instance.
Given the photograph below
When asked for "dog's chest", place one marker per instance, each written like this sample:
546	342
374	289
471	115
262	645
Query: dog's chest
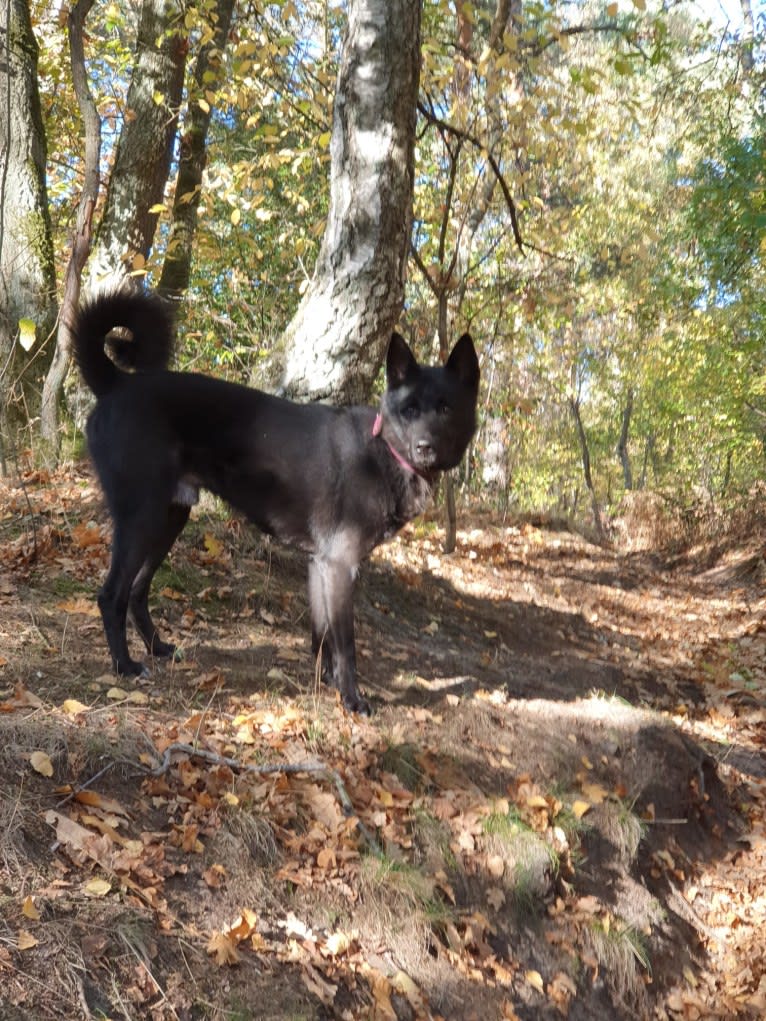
408	503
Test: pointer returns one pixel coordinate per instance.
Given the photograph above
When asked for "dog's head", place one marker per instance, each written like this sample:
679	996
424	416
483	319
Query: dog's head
429	413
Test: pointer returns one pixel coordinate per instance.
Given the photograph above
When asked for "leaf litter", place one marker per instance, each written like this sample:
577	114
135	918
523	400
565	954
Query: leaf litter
558	810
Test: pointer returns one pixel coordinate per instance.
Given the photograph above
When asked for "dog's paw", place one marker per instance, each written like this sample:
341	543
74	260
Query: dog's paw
356	704
132	668
165	650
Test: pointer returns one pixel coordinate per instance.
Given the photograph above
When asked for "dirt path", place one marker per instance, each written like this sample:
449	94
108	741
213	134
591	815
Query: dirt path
557	810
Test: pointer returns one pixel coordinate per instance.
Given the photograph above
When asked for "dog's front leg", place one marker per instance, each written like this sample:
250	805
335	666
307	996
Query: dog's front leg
331	589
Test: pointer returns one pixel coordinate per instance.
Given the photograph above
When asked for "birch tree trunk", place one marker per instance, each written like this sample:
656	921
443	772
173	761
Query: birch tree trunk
142	161
337	339
27	278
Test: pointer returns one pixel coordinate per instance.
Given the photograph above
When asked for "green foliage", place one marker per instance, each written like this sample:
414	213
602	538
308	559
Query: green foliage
727	212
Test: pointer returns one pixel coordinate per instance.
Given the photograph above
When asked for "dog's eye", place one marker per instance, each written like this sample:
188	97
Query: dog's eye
410	412
444	408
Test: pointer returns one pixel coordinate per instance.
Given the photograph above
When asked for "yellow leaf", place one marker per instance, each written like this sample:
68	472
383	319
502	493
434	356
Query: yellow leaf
27	334
236	216
97	887
29	910
579	808
213	545
537	801
41	763
611	10
138	698
640	5
594	792
535	979
116	694
203	105
72	707
158	207
26	940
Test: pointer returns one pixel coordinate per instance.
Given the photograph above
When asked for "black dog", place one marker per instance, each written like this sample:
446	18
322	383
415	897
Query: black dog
332	481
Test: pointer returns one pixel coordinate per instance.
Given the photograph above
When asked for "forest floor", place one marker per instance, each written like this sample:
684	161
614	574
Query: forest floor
557	810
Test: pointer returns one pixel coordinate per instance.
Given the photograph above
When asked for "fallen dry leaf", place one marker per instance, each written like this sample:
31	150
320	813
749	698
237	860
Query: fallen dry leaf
97	887
41	763
80	605
224	949
535	979
29	910
26	940
579	808
72	707
337	943
317	984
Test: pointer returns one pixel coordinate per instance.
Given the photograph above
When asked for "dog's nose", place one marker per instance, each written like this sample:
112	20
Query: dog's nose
423	448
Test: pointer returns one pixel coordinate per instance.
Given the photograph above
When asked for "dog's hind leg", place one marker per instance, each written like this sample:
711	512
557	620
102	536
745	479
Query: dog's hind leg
161	542
129	550
331	586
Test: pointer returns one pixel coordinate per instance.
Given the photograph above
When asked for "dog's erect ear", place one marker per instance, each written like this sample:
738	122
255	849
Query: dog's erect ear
400	362
463	361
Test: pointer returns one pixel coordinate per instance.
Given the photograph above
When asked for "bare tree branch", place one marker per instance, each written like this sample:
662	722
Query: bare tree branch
439	122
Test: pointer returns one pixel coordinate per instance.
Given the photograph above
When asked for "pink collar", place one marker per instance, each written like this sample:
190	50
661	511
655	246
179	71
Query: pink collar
377	427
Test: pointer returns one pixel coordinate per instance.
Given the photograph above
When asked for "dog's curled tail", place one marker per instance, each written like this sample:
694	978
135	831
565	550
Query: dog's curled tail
141	329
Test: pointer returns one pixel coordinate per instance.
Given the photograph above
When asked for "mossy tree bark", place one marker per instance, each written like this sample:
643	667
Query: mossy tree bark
27	277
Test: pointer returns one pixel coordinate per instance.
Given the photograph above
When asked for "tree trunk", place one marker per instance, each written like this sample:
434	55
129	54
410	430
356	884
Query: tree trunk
747	37
450	506
454	274
574	406
27	276
622	445
81	240
144	151
176	269
336	341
